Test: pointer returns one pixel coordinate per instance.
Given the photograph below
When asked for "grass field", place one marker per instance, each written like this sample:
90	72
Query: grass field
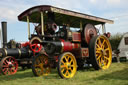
117	74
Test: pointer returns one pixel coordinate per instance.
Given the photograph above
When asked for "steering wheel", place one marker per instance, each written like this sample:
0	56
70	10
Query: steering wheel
36	47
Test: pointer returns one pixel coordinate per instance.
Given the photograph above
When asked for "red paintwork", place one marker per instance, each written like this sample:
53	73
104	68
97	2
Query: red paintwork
89	32
34	47
56	58
25	44
68	46
85	52
76	36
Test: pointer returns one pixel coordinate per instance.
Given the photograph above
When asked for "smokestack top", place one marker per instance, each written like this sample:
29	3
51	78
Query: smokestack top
3	21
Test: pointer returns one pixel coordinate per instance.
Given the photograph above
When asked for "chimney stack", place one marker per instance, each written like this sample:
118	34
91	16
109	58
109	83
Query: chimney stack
4	34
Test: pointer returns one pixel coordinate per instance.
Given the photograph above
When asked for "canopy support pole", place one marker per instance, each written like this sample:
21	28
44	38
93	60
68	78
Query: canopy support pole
28	27
42	23
81	26
103	28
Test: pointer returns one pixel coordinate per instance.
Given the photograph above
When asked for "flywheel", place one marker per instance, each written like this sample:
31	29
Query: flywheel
89	32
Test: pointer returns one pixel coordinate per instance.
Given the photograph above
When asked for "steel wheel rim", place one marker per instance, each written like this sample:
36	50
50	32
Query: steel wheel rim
41	65
103	52
9	66
68	66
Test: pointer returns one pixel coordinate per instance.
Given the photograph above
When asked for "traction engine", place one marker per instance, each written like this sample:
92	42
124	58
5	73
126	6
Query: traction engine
13	54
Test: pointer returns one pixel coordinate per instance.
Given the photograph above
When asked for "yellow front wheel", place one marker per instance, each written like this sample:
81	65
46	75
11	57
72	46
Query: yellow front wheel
40	65
100	52
67	65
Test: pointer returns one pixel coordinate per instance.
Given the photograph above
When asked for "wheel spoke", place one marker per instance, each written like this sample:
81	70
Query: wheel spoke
71	61
42	69
41	72
37	71
99	57
106	57
62	66
102	62
11	71
9	59
99	42
70	69
12	61
35	47
99	61
103	43
98	51
96	54
37	65
66	59
5	66
5	71
62	70
97	45
71	65
103	46
66	72
107	49
6	61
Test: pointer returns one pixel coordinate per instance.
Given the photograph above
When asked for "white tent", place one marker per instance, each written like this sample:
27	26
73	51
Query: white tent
123	46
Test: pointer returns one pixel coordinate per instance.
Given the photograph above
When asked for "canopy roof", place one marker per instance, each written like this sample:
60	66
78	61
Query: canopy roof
62	16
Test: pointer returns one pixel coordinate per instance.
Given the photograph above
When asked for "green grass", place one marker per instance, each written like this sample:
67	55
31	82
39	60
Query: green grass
117	74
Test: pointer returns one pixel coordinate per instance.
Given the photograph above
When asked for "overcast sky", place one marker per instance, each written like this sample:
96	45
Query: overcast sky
116	10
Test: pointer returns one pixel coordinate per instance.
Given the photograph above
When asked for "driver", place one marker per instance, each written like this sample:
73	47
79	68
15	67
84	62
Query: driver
50	28
38	29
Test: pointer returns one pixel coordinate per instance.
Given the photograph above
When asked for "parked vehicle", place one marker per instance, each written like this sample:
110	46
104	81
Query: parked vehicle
122	50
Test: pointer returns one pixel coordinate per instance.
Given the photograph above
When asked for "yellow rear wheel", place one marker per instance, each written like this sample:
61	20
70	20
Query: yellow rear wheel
40	65
67	65
100	52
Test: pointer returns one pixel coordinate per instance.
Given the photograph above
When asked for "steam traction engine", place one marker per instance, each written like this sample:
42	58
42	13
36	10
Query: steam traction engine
66	39
13	54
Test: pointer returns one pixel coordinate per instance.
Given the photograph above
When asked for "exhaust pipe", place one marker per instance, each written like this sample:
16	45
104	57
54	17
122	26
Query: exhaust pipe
4	34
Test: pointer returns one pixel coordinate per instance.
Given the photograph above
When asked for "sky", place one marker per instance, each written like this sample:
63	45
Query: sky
116	10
